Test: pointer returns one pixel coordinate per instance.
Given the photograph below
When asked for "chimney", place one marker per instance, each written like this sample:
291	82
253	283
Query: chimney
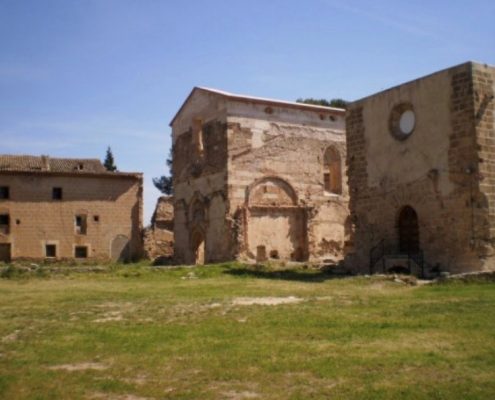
45	163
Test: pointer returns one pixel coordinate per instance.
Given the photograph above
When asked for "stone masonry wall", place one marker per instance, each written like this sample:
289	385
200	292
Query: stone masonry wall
201	182
274	153
434	171
159	236
484	116
270	155
112	207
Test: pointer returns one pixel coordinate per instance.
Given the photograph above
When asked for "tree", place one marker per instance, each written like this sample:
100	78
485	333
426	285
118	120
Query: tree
109	163
164	183
339	103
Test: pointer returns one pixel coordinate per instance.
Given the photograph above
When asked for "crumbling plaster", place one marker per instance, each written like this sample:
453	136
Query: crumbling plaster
255	141
437	171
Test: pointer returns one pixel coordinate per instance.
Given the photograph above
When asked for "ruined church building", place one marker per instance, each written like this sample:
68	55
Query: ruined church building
402	180
257	179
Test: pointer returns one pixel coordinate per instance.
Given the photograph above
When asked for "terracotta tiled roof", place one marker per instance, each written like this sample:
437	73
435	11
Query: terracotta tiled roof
44	163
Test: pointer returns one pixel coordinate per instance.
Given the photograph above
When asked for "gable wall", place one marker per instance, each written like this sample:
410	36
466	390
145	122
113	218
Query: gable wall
284	146
433	171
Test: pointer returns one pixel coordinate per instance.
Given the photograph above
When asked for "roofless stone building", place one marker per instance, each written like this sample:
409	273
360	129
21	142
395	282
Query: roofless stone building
421	168
258	179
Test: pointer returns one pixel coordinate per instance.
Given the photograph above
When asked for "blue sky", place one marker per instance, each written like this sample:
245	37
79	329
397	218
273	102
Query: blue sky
79	75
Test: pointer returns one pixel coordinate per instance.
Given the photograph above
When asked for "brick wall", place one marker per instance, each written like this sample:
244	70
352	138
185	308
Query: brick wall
112	208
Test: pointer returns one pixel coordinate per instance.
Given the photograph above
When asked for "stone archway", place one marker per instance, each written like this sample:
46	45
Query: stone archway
198	247
276	225
408	230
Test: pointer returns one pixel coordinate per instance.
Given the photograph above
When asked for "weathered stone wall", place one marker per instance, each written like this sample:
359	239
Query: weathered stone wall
200	181
484	118
159	236
434	171
276	151
112	207
233	180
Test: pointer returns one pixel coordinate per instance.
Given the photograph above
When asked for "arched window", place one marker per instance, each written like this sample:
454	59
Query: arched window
198	144
332	171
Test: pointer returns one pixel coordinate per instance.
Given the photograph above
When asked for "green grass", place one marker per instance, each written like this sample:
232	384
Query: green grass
135	332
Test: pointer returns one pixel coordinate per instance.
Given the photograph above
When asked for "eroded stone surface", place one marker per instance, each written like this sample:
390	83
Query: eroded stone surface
432	192
159	236
258	179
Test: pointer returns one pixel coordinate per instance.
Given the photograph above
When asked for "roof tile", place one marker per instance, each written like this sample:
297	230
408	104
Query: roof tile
26	163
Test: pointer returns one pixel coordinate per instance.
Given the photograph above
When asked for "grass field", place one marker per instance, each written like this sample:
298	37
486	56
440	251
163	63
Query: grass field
237	332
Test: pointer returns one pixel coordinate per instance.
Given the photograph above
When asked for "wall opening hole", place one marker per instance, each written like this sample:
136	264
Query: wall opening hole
4	223
57	193
81	252
260	253
50	251
81	224
4	192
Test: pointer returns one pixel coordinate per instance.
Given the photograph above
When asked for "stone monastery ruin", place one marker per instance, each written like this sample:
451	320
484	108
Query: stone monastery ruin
421	170
262	179
257	179
403	180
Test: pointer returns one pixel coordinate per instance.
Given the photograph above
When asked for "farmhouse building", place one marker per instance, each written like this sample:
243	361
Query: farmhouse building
258	179
421	170
54	208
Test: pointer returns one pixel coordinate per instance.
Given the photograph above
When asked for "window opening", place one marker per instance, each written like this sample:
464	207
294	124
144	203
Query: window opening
81	252
4	223
81	224
4	192
50	250
57	193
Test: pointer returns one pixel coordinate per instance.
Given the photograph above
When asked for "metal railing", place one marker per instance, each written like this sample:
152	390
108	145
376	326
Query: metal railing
380	251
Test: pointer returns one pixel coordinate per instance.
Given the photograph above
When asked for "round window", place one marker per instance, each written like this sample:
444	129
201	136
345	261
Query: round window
402	121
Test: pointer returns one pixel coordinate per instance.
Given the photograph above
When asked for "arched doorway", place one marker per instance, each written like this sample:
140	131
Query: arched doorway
198	243
276	224
120	250
408	231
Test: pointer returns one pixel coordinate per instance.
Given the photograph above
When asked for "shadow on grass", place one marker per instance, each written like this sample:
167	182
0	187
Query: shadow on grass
301	275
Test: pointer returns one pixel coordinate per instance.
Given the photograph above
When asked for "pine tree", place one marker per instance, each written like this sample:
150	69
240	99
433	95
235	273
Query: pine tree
109	163
339	103
165	183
